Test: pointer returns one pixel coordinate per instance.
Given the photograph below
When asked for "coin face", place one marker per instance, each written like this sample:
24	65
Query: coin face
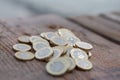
84	45
24	39
35	38
68	50
59	48
39	45
44	53
71	41
49	35
64	32
84	64
56	67
21	47
71	62
58	41
24	55
56	53
77	53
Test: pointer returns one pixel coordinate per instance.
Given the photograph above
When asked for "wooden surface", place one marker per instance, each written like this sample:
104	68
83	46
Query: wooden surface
102	33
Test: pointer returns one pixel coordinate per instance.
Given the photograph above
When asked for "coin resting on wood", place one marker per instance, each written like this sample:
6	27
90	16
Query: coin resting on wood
62	50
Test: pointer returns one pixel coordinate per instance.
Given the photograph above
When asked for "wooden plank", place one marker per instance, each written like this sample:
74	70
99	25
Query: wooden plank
105	53
113	17
106	22
99	28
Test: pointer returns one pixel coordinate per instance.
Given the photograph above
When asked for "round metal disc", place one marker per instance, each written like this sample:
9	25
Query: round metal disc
39	45
56	53
71	41
77	53
84	64
68	50
71	62
49	35
89	54
84	45
21	47
35	39
56	67
58	41
59	48
43	34
64	32
24	55
44	53
24	39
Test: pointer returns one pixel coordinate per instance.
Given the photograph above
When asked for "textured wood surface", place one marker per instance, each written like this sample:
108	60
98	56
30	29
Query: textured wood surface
106	57
100	25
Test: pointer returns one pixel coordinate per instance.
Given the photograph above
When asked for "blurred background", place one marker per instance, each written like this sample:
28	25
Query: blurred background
25	8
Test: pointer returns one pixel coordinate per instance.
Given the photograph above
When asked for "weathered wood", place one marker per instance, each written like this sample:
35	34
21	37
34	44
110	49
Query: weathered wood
113	17
99	27
105	53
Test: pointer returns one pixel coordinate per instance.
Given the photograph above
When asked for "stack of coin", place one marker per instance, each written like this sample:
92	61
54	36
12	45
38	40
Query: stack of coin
62	51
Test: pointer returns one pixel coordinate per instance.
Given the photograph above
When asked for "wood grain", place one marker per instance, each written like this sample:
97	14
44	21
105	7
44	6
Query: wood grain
113	17
105	53
100	26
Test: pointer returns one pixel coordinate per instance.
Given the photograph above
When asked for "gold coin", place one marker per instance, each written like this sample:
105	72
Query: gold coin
71	62
56	53
24	55
56	67
35	38
84	45
58	41
39	45
24	39
77	53
21	47
84	64
44	53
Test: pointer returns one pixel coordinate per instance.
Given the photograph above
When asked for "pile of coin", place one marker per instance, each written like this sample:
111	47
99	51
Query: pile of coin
62	51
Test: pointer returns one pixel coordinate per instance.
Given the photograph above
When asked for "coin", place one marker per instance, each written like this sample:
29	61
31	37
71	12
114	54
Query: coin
56	67
64	32
77	53
42	34
56	53
44	53
24	55
35	38
39	45
42	40
60	48
21	47
84	45
58	41
49	35
84	64
71	41
24	39
89	54
68	50
71	62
